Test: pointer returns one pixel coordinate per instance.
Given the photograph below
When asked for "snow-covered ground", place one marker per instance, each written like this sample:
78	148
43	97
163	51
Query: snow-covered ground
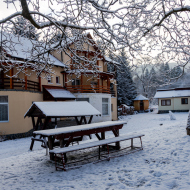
163	164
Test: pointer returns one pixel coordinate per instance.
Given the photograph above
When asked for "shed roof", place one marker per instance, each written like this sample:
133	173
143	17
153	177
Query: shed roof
140	97
60	93
172	93
61	109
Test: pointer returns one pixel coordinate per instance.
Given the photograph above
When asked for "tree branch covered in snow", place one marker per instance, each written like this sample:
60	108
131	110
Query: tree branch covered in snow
142	27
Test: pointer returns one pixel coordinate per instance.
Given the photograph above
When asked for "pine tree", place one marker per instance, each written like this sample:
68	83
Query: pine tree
126	90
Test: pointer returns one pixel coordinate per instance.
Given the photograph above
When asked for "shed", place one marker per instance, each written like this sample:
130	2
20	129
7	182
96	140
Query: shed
141	103
47	110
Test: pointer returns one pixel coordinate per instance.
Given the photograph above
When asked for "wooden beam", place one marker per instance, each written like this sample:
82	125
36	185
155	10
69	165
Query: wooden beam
25	79
40	84
11	79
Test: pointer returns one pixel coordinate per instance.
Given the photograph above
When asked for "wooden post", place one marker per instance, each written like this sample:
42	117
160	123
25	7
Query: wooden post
50	144
81	83
25	78
11	79
40	83
65	75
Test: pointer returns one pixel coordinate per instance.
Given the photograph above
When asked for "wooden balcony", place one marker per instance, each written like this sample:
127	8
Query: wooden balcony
90	89
16	83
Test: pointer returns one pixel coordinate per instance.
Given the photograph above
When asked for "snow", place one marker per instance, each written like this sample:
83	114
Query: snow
66	130
111	61
60	93
66	109
163	164
172	93
23	48
140	97
94	143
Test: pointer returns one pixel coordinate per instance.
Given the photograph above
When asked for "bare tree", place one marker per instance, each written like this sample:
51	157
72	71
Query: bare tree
141	26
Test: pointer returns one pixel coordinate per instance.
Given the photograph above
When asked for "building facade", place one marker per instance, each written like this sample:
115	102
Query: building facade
66	84
176	100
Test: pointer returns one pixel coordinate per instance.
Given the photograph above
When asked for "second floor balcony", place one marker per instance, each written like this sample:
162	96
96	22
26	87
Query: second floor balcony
18	84
91	89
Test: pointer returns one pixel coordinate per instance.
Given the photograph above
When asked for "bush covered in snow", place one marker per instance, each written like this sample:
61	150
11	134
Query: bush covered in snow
125	110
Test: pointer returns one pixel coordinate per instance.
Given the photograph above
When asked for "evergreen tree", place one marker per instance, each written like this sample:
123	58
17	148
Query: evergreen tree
25	29
126	90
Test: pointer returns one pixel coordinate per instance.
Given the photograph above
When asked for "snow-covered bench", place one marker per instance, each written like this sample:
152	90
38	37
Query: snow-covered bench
92	144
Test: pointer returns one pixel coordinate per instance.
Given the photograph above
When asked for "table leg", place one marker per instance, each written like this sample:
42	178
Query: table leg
50	143
117	144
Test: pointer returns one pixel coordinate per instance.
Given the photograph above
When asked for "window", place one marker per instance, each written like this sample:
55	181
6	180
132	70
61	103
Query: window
49	79
57	79
166	102
82	99
184	101
4	116
111	107
75	82
105	106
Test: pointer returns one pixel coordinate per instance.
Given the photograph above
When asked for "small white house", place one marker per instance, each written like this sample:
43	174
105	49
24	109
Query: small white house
177	99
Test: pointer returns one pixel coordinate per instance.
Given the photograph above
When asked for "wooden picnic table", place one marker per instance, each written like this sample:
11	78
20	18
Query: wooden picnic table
80	130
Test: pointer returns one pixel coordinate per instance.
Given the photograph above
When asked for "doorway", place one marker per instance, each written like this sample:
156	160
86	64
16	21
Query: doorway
141	105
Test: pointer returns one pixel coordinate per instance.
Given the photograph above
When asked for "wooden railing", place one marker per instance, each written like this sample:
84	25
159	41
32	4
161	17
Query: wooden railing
15	83
90	89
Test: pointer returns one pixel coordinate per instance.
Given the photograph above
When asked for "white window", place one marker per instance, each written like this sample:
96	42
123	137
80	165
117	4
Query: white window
49	79
4	115
105	106
57	79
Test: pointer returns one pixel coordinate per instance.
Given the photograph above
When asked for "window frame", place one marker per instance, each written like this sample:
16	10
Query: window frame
57	77
184	101
5	103
162	102
105	103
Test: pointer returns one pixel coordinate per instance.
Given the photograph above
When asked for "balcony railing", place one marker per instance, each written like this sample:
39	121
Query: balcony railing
90	89
16	83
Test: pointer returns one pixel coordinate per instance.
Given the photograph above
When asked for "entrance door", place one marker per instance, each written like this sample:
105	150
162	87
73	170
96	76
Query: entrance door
141	105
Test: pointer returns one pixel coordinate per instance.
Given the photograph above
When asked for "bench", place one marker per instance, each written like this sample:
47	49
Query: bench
105	142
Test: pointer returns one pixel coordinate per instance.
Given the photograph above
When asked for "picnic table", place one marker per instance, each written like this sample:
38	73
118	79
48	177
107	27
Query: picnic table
66	134
47	110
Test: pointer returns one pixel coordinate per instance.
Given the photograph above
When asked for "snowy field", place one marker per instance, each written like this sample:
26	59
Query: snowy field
163	164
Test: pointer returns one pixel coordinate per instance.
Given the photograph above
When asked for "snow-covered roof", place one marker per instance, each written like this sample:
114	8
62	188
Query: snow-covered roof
172	93
140	97
62	109
111	60
61	93
21	47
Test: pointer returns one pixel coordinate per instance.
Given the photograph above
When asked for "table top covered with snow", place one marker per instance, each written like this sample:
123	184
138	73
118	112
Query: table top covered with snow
62	109
77	128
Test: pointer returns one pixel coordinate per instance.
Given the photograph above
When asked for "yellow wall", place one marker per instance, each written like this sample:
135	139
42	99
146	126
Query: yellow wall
114	113
19	103
57	71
